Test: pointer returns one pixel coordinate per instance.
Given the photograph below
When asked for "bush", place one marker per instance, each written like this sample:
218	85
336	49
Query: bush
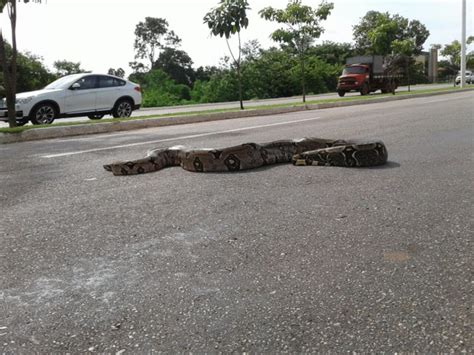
160	90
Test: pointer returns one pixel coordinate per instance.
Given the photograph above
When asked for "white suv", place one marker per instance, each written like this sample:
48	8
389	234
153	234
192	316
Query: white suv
92	95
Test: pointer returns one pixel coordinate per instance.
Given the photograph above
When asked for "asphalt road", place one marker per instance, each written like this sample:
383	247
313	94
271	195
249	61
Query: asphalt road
278	259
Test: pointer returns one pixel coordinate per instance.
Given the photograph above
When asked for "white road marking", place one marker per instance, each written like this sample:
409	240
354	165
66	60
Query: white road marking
177	138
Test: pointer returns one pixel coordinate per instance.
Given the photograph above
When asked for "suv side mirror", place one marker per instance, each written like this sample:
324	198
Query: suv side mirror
75	86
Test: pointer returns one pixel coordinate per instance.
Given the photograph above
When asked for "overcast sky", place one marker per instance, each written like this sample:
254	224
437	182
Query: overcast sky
100	33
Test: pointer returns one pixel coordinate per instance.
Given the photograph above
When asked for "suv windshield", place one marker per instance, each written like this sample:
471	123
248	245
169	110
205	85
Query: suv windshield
354	70
60	82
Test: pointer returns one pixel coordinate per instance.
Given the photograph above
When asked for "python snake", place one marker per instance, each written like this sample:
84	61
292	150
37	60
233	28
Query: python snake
304	151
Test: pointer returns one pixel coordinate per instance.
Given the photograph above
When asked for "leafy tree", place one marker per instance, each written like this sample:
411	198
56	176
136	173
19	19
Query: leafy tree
152	36
227	19
322	76
446	69
177	64
405	49
251	50
376	31
332	52
65	67
205	73
10	64
453	52
117	72
31	73
276	73
302	26
271	75
139	71
160	90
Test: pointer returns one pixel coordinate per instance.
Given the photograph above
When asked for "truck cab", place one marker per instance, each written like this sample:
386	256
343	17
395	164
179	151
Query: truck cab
353	77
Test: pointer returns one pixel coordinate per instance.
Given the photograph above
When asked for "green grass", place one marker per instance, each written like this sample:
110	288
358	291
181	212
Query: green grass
204	112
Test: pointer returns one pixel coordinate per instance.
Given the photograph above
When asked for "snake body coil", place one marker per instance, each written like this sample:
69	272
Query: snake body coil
305	151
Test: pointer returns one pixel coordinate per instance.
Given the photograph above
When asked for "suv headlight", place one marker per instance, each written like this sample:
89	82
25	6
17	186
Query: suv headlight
24	100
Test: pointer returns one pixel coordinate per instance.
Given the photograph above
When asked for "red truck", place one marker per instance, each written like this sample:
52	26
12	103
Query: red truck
367	74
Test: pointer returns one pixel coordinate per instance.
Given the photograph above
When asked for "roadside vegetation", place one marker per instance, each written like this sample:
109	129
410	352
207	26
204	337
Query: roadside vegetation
296	67
308	103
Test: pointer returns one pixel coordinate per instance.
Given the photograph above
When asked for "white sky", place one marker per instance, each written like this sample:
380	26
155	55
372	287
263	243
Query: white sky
100	33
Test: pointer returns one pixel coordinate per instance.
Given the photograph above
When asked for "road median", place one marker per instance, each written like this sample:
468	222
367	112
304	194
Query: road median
61	131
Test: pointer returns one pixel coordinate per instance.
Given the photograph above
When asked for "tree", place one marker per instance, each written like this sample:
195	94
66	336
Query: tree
32	74
405	49
251	50
160	90
177	64
205	73
453	52
332	52
228	19
64	67
302	27
117	72
151	36
376	31
271	74
10	64
470	55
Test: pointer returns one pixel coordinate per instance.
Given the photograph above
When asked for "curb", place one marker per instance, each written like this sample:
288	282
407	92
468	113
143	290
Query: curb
83	129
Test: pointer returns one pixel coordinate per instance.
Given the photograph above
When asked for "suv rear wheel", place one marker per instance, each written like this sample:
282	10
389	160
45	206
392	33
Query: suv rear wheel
123	108
43	114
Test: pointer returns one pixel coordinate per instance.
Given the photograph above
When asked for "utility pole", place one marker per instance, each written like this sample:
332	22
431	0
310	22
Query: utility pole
463	45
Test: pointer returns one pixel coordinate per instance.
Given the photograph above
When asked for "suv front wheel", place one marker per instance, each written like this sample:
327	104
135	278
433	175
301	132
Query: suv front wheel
122	109
43	114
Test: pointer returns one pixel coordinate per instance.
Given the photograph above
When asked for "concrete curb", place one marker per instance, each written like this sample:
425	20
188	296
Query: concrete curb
83	129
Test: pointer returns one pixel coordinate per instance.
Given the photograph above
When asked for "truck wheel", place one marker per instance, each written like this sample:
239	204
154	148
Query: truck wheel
341	93
393	87
365	90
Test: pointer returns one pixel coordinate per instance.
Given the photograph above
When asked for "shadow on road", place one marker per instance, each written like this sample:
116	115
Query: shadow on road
388	165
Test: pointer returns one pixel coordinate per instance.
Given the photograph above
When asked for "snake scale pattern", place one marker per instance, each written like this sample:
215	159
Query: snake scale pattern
304	151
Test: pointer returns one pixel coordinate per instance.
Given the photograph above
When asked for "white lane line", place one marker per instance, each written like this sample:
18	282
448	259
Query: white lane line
176	138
